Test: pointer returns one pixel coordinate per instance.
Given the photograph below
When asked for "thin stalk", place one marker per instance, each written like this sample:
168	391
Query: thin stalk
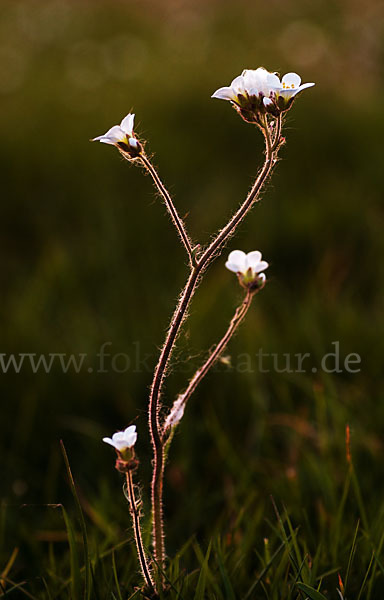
137	532
253	196
277	133
177	221
177	319
237	319
154	423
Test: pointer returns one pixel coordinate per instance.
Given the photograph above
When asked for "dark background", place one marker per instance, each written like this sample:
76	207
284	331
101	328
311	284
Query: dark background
88	256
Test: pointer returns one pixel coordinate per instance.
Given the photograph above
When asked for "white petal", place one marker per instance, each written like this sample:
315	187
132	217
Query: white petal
255	81
258	75
262	277
287	94
119	441
224	93
103	140
234	267
238	85
253	258
267	101
304	86
237	255
130	440
260	267
130	429
115	134
251	79
176	413
262	72
291	80
238	259
108	441
133	142
130	436
121	446
273	81
127	124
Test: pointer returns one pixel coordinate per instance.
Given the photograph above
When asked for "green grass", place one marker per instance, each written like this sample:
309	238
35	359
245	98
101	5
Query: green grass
277	550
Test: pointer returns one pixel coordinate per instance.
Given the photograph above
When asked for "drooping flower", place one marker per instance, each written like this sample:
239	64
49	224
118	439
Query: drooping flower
256	91
123	440
248	267
176	413
122	137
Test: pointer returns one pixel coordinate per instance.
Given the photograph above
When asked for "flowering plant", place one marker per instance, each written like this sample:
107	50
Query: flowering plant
260	97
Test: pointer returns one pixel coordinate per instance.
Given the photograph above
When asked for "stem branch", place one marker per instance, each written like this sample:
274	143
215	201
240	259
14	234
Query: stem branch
137	532
178	317
237	319
177	221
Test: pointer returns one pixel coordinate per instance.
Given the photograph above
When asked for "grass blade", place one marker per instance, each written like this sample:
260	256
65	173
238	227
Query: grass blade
228	590
87	589
311	592
202	582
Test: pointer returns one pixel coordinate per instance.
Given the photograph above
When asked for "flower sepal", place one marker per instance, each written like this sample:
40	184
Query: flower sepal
133	148
125	463
252	281
251	114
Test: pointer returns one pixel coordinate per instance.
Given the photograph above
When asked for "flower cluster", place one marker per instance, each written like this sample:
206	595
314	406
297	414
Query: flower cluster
257	91
122	137
248	267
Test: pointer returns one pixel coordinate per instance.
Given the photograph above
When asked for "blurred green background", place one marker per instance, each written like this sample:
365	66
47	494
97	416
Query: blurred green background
88	256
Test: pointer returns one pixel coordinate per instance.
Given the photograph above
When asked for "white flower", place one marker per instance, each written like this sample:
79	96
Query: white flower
176	413
257	90
283	92
122	440
251	84
248	267
121	135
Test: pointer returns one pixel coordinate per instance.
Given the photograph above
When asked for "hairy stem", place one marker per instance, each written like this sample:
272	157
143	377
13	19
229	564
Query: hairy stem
277	133
137	532
253	196
202	263
177	221
154	406
237	319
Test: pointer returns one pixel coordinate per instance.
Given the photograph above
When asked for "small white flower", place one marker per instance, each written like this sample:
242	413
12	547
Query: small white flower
252	84
122	440
121	135
283	92
248	267
176	413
